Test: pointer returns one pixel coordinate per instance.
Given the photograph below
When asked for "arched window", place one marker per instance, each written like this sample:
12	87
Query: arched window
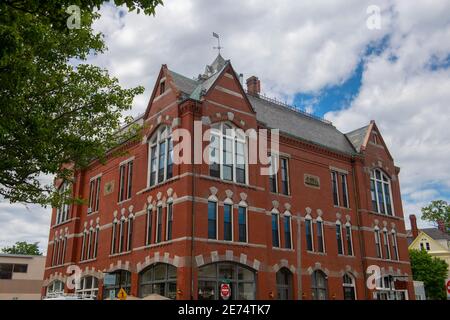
284	284
114	236
113	281
160	156
275	229
348	283
309	233
169	221
242	281
394	245
340	245
56	288
349	238
319	285
88	287
227	153
381	193
159	278
83	246
130	232
149	222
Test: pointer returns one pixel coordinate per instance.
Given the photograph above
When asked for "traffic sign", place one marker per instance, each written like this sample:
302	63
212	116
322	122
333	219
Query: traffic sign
225	291
448	288
122	295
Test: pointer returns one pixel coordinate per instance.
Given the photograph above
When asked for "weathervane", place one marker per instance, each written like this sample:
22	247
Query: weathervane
215	35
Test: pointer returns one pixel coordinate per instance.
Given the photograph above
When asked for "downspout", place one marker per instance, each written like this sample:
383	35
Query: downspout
193	188
358	220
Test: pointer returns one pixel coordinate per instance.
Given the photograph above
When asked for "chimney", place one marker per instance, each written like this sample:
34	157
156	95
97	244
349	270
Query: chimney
253	86
413	220
441	226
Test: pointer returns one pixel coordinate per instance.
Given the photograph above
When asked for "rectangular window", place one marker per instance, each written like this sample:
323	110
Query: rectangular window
6	270
227	159
21	268
169	172
287	232
94	194
113	238
308	233
212	220
339	239
240	162
214	156
130	234
169	221
386	245
162	87
83	246
320	246
334	185
273	162
284	176
275	235
227	222
373	196
122	235
149	226
159	225
377	243
121	183
162	160
242	219
344	191
130	179
153	166
387	194
348	236
394	246
97	231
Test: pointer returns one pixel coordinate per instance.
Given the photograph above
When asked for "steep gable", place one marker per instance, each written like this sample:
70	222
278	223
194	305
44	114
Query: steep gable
423	237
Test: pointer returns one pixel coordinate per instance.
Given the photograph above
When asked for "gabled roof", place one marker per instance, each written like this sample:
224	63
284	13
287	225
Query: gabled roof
436	234
184	84
357	137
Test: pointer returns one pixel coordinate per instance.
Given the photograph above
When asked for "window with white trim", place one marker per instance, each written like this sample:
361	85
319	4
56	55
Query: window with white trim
55	288
160	156
169	223
320	236
228	222
309	234
130	232
114	236
275	230
273	165
88	287
121	234
149	223
228	153
242	222
339	188
212	220
339	239
394	245
287	231
62	212
159	224
381	192
349	238
378	243
94	194
348	283
125	180
386	244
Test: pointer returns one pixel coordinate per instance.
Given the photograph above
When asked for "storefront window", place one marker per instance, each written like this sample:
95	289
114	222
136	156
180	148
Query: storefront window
241	280
160	279
56	288
114	281
319	285
88	287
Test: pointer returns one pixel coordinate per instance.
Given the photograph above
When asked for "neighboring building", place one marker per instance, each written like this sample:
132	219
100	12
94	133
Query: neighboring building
419	289
436	241
21	276
309	231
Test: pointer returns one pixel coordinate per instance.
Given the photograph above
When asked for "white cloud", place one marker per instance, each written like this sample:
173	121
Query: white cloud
409	100
296	46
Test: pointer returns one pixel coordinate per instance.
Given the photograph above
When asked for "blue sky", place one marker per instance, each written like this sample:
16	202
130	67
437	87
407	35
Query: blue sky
318	54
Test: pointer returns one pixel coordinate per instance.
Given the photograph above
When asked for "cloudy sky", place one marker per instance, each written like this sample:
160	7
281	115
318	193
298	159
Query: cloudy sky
328	57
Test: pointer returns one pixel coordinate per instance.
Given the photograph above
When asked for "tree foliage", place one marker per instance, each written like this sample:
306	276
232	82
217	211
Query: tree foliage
432	271
55	108
23	247
438	210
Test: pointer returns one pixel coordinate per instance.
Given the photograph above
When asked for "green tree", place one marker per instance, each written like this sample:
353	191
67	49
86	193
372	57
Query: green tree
438	210
432	271
55	108
22	247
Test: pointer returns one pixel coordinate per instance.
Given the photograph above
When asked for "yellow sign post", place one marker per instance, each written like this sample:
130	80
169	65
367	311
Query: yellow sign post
122	295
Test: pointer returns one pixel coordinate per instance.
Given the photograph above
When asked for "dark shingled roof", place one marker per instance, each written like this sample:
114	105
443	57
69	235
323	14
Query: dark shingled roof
184	84
436	234
357	136
300	125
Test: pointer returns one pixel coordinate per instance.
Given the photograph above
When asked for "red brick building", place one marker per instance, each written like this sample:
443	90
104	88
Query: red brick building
310	231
